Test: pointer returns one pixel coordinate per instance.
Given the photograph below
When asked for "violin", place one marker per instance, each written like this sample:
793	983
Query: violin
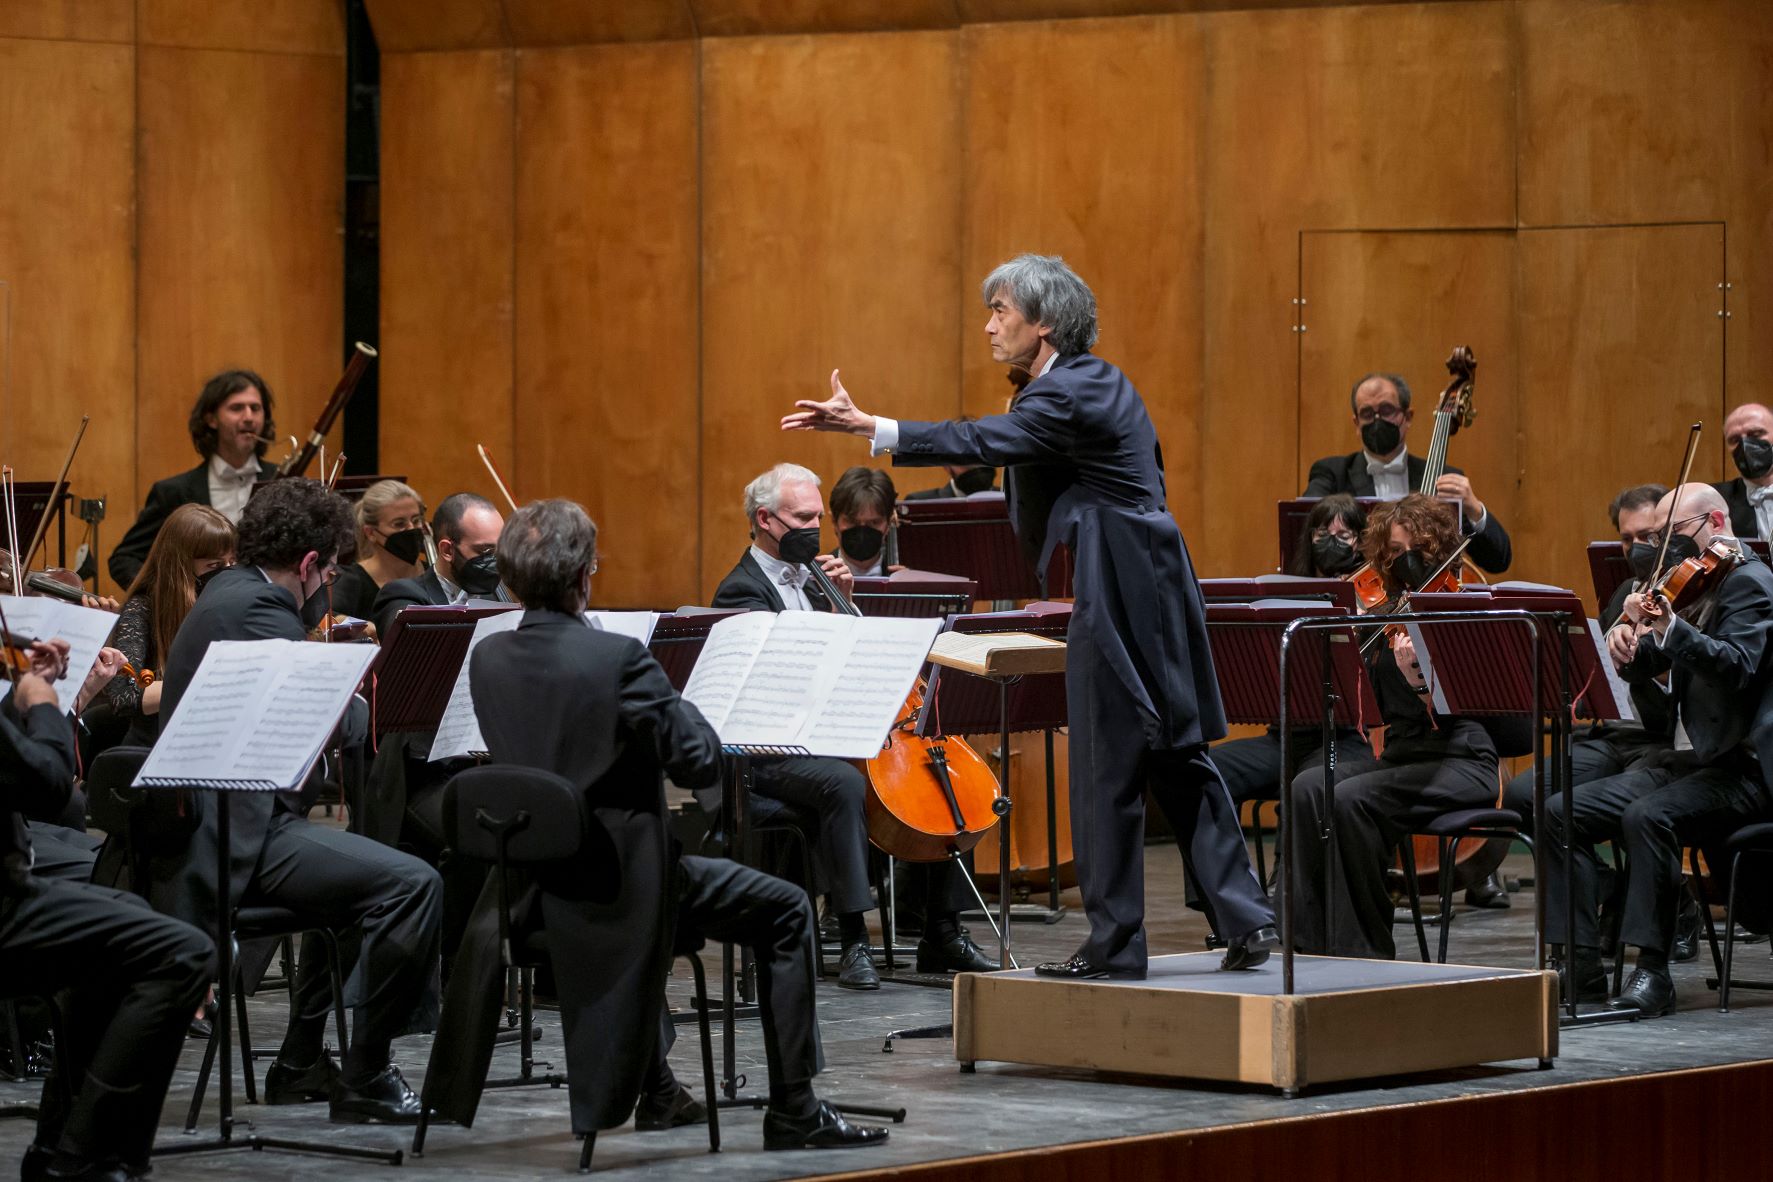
143	678
23	654
1689	581
56	581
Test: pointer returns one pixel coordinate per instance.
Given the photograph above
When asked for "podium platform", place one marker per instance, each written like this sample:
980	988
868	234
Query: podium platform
1346	1019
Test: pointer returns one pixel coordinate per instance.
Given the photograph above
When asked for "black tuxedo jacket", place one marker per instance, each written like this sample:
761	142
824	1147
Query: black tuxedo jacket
187	488
1720	674
36	780
424	591
597	709
748	588
1490	547
1743	522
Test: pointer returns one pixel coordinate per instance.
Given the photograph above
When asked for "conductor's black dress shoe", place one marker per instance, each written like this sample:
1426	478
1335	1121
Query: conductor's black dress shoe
1250	949
1076	968
386	1099
824	1129
1651	994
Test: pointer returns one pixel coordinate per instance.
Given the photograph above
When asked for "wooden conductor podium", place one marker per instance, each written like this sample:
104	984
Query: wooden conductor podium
1296	1020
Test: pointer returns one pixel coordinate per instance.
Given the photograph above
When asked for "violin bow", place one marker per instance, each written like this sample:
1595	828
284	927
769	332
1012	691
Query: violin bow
9	509
55	496
497	479
1668	526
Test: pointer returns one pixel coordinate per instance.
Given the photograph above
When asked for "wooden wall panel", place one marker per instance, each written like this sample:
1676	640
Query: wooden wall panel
271	26
607	355
1339	119
1401	301
240	168
1100	164
830	238
744	18
1599	410
412	25
69	20
590	22
447	166
66	232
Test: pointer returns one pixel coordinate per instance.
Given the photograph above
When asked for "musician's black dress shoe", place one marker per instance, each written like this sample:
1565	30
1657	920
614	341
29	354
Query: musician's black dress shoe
959	955
824	1129
1650	994
1591	977
285	1084
1250	949
856	970
681	1109
1491	893
39	1166
385	1099
1076	968
1686	941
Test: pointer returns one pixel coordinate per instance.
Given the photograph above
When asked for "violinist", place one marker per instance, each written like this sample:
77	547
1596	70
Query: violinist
194	543
128	979
783	508
1432	763
1709	666
1384	468
289	539
862	503
231	424
596	708
390	542
1748	433
466	528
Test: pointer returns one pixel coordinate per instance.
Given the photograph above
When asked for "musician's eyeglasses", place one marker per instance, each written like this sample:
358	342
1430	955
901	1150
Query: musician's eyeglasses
1391	414
1322	532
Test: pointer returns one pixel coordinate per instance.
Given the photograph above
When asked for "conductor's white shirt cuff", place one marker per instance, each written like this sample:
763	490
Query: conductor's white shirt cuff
886	435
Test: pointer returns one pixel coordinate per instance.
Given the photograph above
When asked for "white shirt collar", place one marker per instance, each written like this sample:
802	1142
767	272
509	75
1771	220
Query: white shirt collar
452	593
1047	366
1397	463
774	569
222	470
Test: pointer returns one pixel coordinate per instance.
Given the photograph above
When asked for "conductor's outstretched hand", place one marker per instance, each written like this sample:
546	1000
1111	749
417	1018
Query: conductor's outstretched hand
837	414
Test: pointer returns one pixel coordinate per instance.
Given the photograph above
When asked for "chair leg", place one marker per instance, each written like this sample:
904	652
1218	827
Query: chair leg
585	1149
1447	847
1711	926
247	1070
418	1133
1261	858
1729	936
203	1078
709	1095
1407	855
525	1022
337	974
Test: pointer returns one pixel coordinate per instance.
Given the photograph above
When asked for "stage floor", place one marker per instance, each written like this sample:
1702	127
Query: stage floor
522	1133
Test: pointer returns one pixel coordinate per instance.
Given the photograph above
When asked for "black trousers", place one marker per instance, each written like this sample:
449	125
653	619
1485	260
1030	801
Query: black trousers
1593	757
1353	838
392	899
129	980
722	901
1654	812
836	791
62	853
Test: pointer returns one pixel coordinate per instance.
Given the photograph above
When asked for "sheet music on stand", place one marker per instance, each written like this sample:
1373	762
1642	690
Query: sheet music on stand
956	705
256	716
84	628
678	638
972	537
415	668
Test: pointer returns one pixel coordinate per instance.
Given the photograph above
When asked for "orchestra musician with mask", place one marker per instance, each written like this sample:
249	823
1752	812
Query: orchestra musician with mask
1384	468
466	530
1748	433
862	505
230	424
390	542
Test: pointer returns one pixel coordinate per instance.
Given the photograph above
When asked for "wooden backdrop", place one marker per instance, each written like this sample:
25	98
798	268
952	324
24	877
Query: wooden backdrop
171	174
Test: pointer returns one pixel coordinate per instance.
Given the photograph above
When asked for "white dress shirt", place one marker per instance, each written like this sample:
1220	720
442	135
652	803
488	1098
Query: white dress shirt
230	487
1391	478
788	578
1762	500
886	431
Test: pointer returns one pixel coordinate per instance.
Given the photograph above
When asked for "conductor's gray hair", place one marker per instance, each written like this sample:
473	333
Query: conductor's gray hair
1049	293
766	491
544	551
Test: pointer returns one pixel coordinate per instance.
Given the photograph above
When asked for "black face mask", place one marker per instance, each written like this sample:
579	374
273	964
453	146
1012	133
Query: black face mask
1682	547
1642	559
478	576
974	480
1381	437
798	545
1410	570
1333	556
1754	457
406	545
204	578
861	542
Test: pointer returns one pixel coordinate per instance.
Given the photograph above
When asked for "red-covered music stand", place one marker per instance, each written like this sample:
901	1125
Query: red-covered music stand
1291	515
1334	592
1246	640
415	670
914	594
972	536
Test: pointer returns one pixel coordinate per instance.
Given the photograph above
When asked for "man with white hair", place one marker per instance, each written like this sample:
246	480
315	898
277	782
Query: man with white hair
1748	433
1083	468
784	509
1711	664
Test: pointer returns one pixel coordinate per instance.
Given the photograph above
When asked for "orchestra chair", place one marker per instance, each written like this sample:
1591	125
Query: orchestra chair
1750	841
1447	830
513	818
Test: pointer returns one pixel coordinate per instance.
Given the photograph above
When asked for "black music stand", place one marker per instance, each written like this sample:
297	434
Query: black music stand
34	500
914	594
415	669
973	537
224	1009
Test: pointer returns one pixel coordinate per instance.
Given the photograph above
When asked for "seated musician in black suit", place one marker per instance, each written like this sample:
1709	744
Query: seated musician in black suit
596	708
390	543
465	529
1384	468
289	541
231	425
784	509
1748	433
862	504
1432	763
1710	667
129	979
